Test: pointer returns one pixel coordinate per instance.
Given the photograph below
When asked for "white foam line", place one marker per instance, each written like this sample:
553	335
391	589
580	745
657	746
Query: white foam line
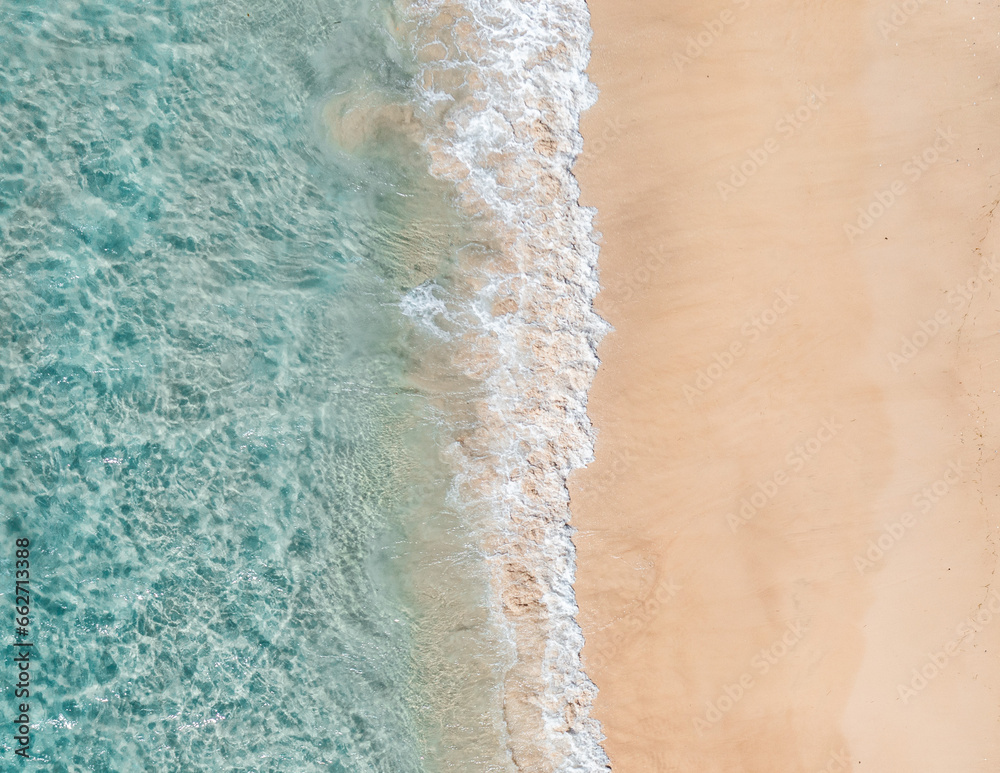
510	145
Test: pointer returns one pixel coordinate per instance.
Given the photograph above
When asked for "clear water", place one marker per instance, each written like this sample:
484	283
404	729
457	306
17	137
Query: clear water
208	417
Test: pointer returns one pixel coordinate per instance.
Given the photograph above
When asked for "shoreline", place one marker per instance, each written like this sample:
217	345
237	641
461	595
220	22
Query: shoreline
522	328
789	516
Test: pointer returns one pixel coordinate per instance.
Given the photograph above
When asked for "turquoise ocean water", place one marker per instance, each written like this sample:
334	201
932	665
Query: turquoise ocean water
241	554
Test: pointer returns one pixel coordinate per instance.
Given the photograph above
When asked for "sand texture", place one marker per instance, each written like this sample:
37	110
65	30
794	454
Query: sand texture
787	544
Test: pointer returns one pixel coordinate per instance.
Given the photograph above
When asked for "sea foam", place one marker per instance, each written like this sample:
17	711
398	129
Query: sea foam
502	85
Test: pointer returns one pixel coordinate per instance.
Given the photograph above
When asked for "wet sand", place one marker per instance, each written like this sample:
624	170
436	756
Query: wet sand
788	540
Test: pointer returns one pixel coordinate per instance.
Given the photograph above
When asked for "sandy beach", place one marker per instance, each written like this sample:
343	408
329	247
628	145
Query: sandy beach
787	544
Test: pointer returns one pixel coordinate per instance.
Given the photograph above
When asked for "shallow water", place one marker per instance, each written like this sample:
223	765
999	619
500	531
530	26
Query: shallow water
211	431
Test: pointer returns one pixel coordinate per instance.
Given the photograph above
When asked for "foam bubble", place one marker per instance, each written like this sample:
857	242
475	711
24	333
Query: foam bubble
428	311
502	87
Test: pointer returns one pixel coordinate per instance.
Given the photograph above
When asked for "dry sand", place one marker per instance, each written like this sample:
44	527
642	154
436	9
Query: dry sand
792	522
